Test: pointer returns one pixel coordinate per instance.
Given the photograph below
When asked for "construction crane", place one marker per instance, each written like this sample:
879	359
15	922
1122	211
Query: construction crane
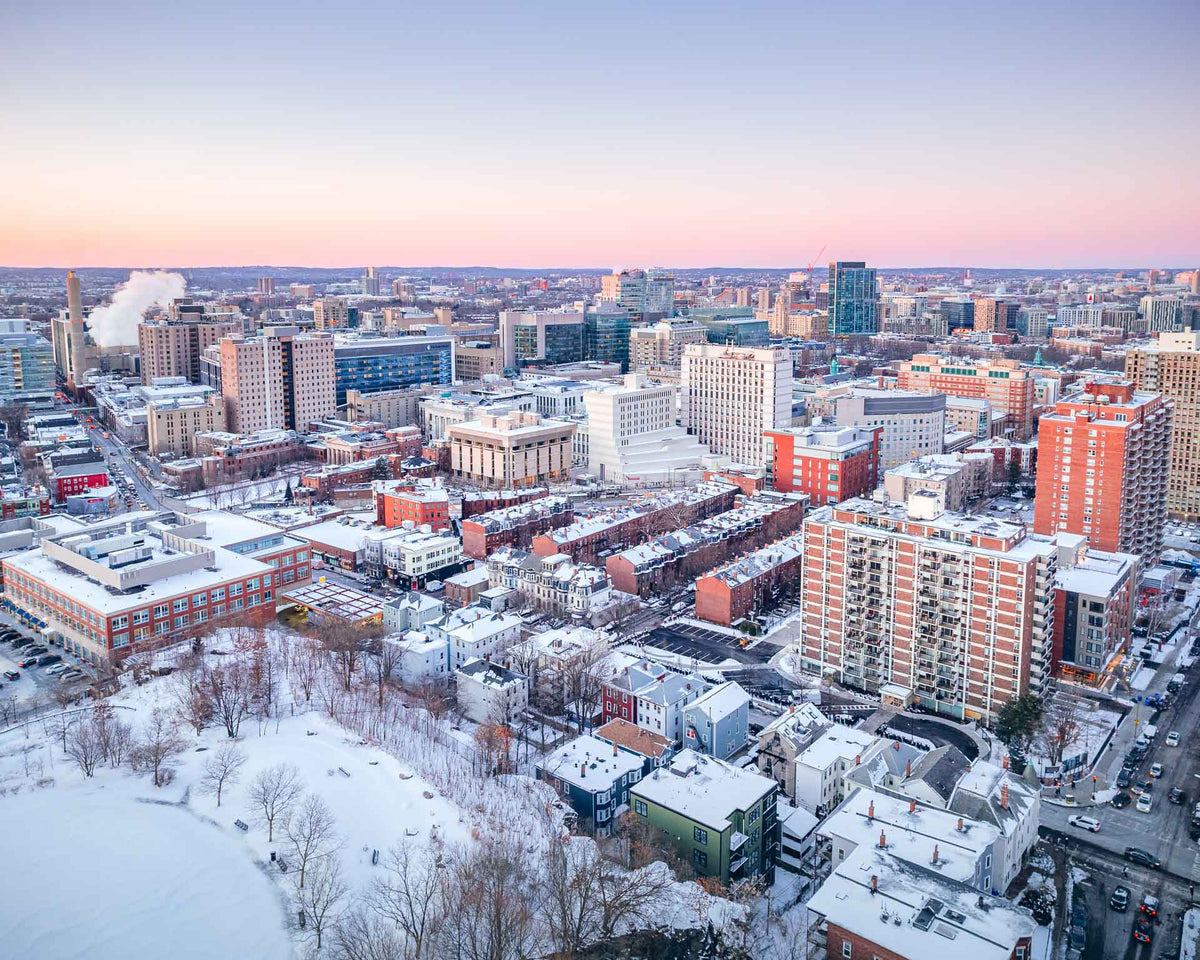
810	266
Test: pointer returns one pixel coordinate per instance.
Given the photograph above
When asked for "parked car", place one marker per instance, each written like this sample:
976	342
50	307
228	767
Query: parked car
1156	769
57	669
1084	823
25	662
35	651
1142	931
49	658
70	675
22	642
1120	899
1173	738
1124	779
1149	905
1121	799
1079	914
1141	786
1177	797
11	675
1144	803
1078	938
1142	857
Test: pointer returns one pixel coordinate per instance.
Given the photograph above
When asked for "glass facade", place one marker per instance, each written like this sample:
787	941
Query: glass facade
389	365
606	337
27	366
853	299
564	342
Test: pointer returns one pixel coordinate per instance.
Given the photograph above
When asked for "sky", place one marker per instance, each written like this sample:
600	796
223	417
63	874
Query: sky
566	134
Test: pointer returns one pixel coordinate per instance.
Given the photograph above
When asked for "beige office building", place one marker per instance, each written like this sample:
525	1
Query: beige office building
516	449
252	384
330	312
171	425
174	349
474	359
662	344
1172	367
309	382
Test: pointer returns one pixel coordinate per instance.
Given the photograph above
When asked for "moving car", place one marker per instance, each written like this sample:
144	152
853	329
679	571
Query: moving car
1124	779
1142	786
1156	769
1177	797
1084	823
1149	905
1120	899
1142	857
1144	803
1173	738
1142	931
1122	799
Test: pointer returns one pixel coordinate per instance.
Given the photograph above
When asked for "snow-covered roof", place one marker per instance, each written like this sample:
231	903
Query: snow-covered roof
836	743
800	722
469	578
719	702
917	911
590	763
704	789
911	830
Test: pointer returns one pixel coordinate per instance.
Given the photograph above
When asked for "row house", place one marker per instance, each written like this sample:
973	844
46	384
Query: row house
745	584
551	583
514	526
653	697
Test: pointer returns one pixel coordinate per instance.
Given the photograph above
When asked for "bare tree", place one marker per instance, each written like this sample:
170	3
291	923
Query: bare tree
229	688
569	875
158	746
306	667
1060	728
193	702
361	935
223	769
349	644
383	660
318	901
273	793
409	895
495	904
583	683
115	736
84	747
312	832
626	899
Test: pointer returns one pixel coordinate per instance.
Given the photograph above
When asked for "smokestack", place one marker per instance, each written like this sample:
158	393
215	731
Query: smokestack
76	358
874	884
935	854
1004	796
882	840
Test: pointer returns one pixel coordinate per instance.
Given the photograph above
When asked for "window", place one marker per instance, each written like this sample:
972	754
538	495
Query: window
180	605
235	589
754	815
120	640
141	616
700	859
199	599
846	949
181	622
700	836
119	622
639	807
218	594
161	610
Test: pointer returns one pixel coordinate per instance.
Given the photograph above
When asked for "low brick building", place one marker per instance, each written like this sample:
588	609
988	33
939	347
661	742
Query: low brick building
738	588
485	501
398	502
514	526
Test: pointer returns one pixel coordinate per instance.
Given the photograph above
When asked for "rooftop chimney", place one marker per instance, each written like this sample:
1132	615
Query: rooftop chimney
895	744
1004	796
583	769
857	759
1006	761
874	884
912	806
959	828
908	768
935	854
882	840
871	811
614	749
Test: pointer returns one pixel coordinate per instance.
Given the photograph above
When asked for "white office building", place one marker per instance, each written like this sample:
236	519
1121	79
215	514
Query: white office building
634	437
732	395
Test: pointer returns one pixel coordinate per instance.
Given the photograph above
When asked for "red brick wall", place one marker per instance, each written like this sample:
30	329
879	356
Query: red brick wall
863	949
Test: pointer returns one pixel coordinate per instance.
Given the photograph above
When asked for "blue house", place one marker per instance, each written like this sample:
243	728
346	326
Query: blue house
718	722
594	777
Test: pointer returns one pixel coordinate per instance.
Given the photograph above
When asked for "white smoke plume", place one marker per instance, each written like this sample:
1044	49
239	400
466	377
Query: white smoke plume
116	324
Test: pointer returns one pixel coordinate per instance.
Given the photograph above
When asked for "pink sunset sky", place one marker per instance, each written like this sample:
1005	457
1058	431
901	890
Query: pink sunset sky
533	135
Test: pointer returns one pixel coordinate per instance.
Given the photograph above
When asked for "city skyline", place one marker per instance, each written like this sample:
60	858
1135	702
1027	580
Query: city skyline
527	136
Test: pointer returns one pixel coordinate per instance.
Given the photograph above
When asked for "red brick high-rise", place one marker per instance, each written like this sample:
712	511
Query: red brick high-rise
828	463
1004	382
1103	458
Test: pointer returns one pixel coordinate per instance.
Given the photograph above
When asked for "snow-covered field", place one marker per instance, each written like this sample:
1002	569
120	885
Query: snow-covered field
113	867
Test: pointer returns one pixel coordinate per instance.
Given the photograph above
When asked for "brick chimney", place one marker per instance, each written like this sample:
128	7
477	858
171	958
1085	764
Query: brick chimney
959	828
583	769
935	855
857	759
1006	761
614	749
882	840
1004	796
912	806
908	768
870	811
895	744
874	884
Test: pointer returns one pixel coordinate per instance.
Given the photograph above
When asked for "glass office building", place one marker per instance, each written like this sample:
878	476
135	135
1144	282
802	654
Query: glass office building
853	299
27	365
606	335
388	364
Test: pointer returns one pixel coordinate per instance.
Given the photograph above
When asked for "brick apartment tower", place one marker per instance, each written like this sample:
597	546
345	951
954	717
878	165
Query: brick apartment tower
1103	460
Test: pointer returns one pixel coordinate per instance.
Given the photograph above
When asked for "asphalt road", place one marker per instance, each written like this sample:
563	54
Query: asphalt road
119	456
1164	830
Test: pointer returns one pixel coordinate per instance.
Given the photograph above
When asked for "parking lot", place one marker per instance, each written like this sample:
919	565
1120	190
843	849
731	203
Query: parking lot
35	683
708	646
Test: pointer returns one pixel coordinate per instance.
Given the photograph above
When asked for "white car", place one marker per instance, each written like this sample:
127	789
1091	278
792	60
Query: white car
1156	770
1173	738
58	668
1144	803
1084	823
